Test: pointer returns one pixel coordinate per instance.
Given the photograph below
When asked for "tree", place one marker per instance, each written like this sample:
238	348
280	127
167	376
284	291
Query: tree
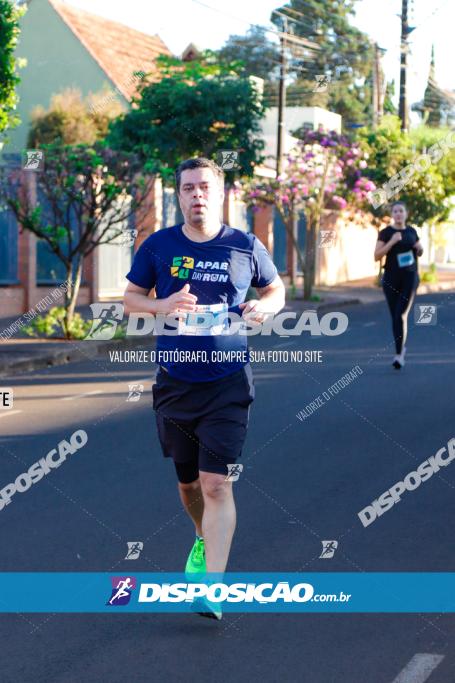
255	53
422	138
73	120
195	108
345	57
83	200
324	171
436	189
389	107
390	150
9	32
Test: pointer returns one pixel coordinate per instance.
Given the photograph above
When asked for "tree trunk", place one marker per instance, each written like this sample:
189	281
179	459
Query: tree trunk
313	231
71	295
289	224
310	253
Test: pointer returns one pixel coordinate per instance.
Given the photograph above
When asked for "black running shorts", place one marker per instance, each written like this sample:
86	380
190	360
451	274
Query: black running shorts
203	424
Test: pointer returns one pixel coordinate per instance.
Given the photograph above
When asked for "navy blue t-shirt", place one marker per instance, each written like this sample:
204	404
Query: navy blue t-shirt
219	271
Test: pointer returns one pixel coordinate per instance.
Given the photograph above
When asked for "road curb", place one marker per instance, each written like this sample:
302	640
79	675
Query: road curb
56	357
63	356
336	304
434	288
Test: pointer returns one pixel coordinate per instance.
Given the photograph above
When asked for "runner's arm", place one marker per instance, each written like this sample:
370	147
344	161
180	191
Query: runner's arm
272	296
271	300
418	247
136	300
383	248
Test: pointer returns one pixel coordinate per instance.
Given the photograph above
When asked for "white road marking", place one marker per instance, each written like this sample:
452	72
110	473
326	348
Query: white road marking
10	412
419	669
89	393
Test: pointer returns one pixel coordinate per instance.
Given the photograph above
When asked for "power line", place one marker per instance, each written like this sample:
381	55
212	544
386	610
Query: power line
291	38
432	14
215	9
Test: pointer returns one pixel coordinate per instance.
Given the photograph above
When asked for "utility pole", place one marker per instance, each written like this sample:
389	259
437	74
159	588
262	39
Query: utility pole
378	85
281	97
403	103
375	86
287	40
381	83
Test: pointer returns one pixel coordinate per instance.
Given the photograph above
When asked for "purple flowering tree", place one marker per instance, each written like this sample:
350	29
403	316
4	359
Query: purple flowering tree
323	171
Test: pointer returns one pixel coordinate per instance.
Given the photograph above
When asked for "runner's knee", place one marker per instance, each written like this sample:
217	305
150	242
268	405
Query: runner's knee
215	486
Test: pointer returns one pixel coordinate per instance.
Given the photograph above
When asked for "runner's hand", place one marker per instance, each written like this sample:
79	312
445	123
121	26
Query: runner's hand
179	301
252	311
396	237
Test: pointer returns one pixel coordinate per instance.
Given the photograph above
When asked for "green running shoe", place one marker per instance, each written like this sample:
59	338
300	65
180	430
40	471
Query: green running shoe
195	564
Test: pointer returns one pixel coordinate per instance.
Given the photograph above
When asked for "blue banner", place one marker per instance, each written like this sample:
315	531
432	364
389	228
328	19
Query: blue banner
235	592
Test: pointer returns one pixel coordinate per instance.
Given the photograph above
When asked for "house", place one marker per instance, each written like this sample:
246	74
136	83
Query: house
272	232
66	47
308	118
438	105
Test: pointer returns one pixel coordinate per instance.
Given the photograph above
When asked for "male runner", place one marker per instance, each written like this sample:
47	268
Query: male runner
202	407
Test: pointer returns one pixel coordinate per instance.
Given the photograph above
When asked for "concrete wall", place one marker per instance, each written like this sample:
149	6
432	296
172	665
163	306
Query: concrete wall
351	256
18	299
295	117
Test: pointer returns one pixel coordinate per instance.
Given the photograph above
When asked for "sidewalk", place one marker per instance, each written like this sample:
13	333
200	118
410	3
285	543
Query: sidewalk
24	354
365	291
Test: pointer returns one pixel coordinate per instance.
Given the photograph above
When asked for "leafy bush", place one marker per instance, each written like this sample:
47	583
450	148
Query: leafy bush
430	275
54	321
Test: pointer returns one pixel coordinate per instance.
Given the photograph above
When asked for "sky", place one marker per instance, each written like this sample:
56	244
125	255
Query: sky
208	24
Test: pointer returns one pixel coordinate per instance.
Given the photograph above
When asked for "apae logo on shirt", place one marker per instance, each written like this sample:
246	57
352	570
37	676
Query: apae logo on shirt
182	265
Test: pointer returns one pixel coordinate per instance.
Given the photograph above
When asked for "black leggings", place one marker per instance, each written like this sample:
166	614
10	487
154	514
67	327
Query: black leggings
399	290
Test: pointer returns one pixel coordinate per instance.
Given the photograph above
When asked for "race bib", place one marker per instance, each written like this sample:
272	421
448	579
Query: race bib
405	259
206	321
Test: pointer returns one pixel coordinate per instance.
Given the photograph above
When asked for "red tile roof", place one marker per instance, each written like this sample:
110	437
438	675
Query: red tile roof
118	49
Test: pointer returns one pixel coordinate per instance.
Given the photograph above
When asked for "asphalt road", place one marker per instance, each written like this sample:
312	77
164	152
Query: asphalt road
303	481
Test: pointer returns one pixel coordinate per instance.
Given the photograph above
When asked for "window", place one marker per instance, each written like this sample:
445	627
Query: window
171	209
8	247
50	270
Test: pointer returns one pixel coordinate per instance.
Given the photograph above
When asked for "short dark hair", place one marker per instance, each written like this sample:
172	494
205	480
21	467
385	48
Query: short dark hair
399	203
198	162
